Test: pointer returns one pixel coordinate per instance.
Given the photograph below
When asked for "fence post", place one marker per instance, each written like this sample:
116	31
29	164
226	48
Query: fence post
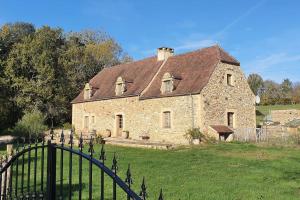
51	172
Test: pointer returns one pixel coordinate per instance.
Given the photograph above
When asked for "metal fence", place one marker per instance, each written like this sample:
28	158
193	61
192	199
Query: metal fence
38	180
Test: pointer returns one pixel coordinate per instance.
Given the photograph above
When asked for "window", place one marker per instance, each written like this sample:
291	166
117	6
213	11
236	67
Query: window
167	86
93	119
86	122
230	116
119	89
167	83
87	93
120	86
229	79
167	119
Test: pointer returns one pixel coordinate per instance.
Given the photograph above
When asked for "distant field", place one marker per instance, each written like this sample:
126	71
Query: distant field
265	110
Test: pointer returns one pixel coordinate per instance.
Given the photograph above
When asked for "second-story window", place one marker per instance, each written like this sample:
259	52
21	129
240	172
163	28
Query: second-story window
229	79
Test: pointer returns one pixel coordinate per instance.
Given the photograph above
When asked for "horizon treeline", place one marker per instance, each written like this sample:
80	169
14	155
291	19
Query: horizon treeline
272	93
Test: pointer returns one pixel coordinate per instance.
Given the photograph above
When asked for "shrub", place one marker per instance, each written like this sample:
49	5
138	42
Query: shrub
68	125
31	124
194	133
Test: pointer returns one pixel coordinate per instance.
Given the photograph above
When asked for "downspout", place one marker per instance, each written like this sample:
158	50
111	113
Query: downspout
192	107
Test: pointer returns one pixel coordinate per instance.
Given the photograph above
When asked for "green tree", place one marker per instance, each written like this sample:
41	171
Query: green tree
46	69
286	88
271	94
34	74
255	82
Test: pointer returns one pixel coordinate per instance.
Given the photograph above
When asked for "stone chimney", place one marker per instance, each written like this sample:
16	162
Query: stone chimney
164	53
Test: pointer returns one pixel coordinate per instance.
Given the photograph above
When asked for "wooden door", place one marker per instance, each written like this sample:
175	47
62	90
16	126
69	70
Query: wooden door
119	125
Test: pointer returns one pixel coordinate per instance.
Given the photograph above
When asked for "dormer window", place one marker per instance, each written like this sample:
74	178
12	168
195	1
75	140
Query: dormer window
87	93
167	85
120	86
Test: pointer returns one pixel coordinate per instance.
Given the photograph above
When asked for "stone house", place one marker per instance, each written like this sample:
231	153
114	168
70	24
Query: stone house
161	97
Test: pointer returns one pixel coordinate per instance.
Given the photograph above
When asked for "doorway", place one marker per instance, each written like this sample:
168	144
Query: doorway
119	125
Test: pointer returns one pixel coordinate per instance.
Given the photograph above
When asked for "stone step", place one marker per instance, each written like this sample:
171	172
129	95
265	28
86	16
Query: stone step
138	143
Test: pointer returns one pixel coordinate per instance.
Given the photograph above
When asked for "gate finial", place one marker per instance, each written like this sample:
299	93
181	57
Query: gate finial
80	145
102	154
128	179
91	146
114	166
161	195
71	139
62	138
143	192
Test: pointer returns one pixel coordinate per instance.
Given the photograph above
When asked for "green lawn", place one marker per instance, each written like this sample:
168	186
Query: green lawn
265	110
224	171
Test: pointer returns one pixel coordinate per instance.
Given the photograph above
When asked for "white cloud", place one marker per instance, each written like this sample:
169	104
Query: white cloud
271	61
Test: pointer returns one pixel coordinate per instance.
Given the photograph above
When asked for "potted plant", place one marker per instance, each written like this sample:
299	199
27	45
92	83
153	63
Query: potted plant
125	134
194	135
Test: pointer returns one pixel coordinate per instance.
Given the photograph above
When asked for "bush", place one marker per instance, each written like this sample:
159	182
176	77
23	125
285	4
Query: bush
68	126
194	133
31	124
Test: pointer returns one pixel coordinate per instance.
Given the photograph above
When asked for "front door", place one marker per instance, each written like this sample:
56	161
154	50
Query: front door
119	125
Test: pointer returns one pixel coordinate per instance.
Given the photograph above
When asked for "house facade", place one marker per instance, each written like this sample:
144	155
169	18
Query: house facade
161	97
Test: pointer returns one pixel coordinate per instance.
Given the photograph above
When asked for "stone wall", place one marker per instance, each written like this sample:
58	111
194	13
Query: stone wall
284	116
141	116
218	98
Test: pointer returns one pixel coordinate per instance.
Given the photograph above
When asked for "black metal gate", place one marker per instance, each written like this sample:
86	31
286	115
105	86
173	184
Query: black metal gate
20	182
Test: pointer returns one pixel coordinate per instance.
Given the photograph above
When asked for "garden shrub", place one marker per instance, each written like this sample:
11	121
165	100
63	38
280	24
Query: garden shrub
31	125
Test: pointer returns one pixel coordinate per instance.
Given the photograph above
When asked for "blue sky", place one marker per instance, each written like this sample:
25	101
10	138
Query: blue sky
264	35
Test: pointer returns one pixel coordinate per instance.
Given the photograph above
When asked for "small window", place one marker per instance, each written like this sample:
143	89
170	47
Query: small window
167	119
167	86
93	119
87	92
230	116
120	86
119	89
167	83
86	122
229	79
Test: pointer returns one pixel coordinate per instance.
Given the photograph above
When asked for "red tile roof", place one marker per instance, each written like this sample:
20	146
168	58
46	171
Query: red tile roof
222	129
193	68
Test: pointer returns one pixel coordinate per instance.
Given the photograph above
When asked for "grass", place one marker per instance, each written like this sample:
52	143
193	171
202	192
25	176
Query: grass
224	171
262	111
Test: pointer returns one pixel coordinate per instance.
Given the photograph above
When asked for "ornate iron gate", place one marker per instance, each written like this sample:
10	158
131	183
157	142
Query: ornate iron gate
20	182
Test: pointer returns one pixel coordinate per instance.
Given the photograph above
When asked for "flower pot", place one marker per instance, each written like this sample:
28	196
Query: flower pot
104	134
125	134
196	141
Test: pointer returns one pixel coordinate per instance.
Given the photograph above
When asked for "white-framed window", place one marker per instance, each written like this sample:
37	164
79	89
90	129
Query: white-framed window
167	85
86	122
166	119
120	86
87	92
